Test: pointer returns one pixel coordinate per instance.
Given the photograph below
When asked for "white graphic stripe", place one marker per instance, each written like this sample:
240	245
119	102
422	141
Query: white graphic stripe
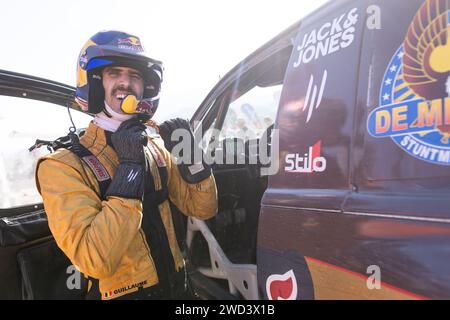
310	100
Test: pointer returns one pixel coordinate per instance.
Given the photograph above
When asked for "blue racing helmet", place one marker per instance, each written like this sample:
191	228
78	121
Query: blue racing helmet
114	48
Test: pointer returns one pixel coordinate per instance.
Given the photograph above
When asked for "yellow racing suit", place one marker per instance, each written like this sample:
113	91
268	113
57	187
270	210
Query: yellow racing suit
105	239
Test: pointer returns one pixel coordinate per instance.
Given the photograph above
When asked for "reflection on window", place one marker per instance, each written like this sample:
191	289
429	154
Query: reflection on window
251	114
22	121
255	96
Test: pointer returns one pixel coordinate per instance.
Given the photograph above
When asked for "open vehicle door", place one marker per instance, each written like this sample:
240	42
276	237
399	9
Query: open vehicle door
31	108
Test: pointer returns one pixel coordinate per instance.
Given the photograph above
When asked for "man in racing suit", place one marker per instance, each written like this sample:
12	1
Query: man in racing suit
125	238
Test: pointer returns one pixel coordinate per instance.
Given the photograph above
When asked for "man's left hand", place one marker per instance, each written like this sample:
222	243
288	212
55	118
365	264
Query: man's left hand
190	171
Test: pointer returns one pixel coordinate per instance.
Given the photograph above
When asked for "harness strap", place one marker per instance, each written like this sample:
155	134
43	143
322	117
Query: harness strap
99	171
178	218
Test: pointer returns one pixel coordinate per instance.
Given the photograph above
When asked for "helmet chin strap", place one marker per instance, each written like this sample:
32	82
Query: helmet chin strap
110	120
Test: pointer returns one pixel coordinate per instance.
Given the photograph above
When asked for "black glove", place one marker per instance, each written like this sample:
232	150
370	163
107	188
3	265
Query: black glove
191	172
129	141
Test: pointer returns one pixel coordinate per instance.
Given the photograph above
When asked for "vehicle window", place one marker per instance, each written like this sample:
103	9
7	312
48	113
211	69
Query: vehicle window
252	113
254	98
22	121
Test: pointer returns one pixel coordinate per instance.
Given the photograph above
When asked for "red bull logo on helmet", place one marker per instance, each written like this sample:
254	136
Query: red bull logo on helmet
414	98
130	43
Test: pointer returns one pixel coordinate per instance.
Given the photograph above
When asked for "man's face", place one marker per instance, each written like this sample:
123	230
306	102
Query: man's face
119	82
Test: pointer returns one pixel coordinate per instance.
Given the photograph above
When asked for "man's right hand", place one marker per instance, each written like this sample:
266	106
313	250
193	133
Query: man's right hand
129	141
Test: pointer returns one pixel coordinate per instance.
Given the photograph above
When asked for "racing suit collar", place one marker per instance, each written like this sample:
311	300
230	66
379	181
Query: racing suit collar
94	135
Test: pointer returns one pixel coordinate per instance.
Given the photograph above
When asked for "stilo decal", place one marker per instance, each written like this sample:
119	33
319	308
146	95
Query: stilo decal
414	106
309	162
282	286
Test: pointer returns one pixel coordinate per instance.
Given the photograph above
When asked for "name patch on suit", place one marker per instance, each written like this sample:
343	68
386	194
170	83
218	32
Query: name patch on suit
99	170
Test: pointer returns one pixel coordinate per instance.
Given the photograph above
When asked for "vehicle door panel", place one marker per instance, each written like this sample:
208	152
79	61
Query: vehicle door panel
400	200
302	207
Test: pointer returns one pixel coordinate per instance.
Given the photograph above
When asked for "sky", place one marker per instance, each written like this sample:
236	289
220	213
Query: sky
198	41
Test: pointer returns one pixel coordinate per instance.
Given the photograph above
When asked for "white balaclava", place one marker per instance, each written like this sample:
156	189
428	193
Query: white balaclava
110	123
